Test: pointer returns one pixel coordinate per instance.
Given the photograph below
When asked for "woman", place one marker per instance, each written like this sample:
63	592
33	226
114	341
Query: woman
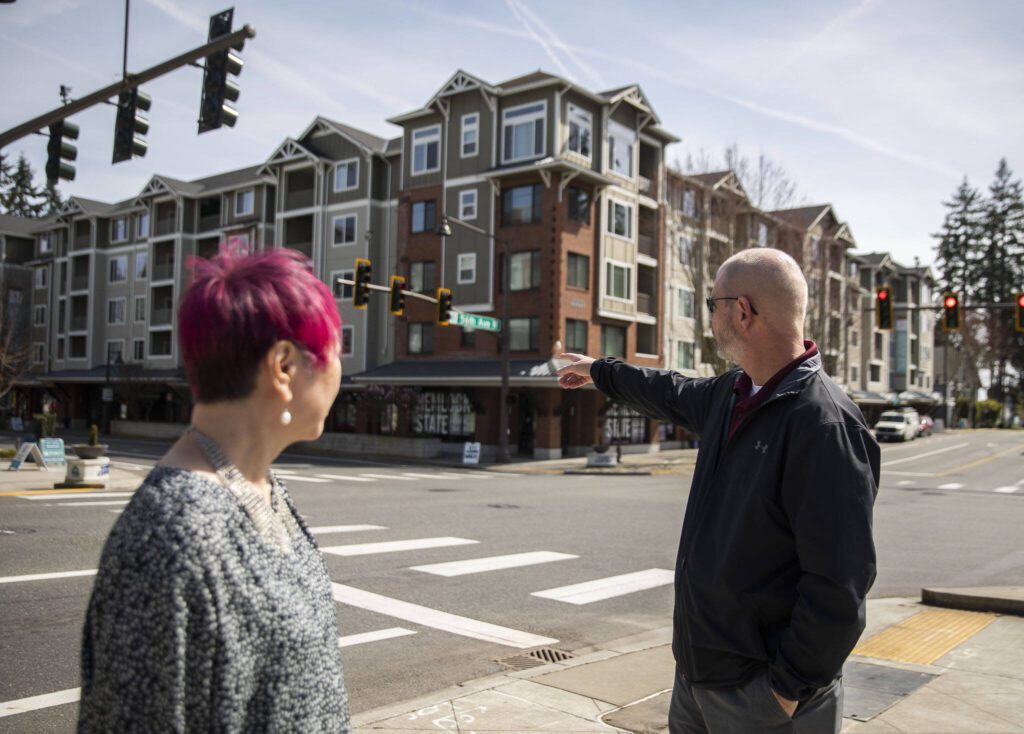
212	608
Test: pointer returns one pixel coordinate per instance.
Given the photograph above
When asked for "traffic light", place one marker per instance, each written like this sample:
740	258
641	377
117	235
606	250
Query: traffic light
361	291
217	87
444	305
883	308
951	312
59	151
396	302
1018	308
131	127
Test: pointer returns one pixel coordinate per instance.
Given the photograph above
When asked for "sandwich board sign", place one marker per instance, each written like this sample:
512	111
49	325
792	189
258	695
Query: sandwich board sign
52	450
27	449
471	452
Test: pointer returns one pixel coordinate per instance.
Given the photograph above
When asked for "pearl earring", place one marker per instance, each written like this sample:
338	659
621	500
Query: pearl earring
286	417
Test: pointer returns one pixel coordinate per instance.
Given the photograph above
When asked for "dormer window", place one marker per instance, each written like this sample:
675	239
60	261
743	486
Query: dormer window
523	132
621	141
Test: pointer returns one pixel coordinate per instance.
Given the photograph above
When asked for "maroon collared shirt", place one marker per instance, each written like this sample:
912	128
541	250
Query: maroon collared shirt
747	403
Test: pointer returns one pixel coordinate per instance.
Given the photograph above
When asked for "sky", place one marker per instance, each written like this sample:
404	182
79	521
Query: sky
878	107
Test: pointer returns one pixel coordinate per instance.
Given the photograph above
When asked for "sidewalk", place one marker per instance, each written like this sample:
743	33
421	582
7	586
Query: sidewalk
918	669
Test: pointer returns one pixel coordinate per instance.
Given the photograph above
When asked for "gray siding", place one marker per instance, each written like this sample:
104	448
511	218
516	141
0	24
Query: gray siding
466	241
427	179
228	206
464	104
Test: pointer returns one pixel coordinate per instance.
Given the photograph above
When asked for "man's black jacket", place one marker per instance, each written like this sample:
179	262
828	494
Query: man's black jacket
776	555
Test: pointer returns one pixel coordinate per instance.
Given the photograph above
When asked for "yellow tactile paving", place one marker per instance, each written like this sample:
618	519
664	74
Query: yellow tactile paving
924	637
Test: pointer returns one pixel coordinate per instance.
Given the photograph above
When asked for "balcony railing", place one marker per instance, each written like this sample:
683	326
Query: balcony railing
648	245
646	303
163	271
306	248
79	323
648	187
299	199
211	221
164	226
161	316
80	283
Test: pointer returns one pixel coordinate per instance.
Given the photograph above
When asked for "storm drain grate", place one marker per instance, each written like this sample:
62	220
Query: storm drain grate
535	658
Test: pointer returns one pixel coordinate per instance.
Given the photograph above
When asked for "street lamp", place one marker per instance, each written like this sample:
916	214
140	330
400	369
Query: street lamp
444	229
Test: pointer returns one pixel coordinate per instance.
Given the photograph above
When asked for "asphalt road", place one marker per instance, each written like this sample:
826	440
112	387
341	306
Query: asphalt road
949	513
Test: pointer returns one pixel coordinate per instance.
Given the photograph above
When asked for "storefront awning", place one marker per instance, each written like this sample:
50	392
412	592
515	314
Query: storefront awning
864	397
99	375
460	372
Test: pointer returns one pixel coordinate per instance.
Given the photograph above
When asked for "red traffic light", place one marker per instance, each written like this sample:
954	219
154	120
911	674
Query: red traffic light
950	301
1020	300
883	294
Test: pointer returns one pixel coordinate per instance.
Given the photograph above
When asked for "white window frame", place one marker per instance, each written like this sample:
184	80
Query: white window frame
351	340
239	197
337	169
110	273
425	136
355	229
139	255
45	243
135	355
465	205
608	279
347	275
124	229
106	351
41	274
467	261
38	352
683	295
470	127
690	203
630	220
124	312
762	234
681	350
135	312
613	127
581	116
541	114
686	261
36	320
141	232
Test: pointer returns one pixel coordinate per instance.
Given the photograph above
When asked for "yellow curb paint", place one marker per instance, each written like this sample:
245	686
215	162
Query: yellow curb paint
924	637
46	491
979	462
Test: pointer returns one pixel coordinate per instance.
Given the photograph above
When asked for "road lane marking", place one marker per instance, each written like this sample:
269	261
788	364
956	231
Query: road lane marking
366	549
126	465
72	495
29	492
385	634
906	482
311	480
921	456
600	589
494	563
431	476
436	619
951	485
389	476
93	504
979	462
46	576
344	478
1006	490
908	473
325	529
34	703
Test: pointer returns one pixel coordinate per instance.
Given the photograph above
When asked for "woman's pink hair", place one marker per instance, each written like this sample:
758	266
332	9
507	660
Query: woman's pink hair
238	306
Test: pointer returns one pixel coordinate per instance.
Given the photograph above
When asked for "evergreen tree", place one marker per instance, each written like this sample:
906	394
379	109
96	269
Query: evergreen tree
20	197
5	175
959	243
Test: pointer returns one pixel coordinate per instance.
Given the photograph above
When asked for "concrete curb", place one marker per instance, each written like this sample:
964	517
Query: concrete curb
995	599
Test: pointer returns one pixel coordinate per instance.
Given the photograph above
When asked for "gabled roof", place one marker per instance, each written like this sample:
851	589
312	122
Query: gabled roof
877	259
229	179
10	224
394	146
712	178
460	81
803	217
366	140
90	207
635	96
532	78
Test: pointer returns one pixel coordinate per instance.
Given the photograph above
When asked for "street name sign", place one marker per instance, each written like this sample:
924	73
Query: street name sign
473	321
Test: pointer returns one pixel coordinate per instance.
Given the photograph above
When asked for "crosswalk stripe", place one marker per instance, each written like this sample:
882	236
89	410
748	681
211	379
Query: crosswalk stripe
494	563
344	478
437	619
365	549
76	495
325	529
126	465
1006	490
300	478
951	485
388	476
430	476
599	589
921	456
46	576
93	504
385	634
33	703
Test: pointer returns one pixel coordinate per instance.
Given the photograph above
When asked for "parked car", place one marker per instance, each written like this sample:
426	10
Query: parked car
894	425
925	426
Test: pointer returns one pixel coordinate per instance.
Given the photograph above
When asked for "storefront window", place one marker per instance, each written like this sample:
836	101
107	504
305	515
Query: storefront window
444	414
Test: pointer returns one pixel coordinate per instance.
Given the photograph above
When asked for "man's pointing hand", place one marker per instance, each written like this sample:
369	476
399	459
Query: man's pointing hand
577	372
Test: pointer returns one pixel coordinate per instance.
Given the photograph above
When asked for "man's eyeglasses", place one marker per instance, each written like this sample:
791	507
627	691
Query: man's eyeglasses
712	305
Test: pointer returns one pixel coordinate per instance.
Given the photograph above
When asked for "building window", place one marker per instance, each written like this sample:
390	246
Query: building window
76	349
815	243
467	204
876	373
579	205
39	315
578	271
61	312
60	348
576	336
347	340
41	277
690	204
116	310
426	150
45	243
138	350
854	338
142	226
618	281
119	269
38	353
581	126
685	250
520	205
854	373
345	229
525	271
878	345
140	308
684	355
422	277
685	303
421	338
424	216
115	351
467	338
244	202
346	175
621	141
467	267
524	334
613	341
141	265
119	229
620	219
470	134
762	234
523	132
341	291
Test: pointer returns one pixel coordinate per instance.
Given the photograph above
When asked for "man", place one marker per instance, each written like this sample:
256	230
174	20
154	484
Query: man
776	556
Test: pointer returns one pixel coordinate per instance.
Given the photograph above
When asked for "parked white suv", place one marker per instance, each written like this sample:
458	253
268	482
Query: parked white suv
896	425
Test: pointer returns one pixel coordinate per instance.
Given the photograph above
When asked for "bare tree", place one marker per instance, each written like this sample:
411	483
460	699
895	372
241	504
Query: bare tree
766	181
15	351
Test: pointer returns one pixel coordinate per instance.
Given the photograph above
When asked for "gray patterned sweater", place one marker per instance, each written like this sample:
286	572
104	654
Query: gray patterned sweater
196	624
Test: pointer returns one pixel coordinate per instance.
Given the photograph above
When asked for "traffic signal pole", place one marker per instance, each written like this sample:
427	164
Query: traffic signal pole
128	83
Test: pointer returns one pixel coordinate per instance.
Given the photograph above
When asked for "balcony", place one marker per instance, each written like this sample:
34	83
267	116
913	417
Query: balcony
298	199
80	283
162	316
648	245
647	186
163	271
299	188
79	322
646	303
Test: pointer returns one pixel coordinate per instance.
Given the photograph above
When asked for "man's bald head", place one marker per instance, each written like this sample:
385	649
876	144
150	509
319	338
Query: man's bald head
772	281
